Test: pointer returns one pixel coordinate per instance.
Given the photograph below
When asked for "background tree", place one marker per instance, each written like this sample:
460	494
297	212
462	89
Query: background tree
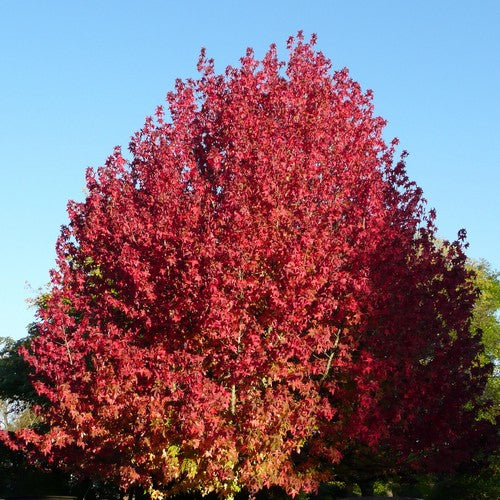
16	391
486	320
255	292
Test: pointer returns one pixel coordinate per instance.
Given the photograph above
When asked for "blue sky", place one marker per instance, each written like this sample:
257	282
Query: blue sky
79	77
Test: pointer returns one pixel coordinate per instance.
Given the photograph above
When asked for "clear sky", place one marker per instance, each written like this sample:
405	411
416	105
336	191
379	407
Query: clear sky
79	77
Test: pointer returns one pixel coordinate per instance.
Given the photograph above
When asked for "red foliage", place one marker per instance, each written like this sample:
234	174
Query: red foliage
255	290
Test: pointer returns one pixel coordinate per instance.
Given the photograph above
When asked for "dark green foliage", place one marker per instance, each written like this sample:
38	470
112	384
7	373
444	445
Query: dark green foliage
18	478
15	385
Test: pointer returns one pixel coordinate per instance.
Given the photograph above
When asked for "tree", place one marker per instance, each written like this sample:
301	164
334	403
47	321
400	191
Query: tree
486	320
254	291
16	392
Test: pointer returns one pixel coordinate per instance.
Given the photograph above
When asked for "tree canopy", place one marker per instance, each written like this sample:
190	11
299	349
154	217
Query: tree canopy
253	292
486	321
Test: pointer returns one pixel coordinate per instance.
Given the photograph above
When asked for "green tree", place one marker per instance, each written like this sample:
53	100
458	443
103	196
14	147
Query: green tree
16	391
486	320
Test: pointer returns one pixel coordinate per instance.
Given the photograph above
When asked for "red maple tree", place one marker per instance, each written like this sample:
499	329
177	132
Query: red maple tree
257	288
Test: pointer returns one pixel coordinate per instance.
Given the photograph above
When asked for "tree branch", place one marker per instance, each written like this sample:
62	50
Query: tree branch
330	358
